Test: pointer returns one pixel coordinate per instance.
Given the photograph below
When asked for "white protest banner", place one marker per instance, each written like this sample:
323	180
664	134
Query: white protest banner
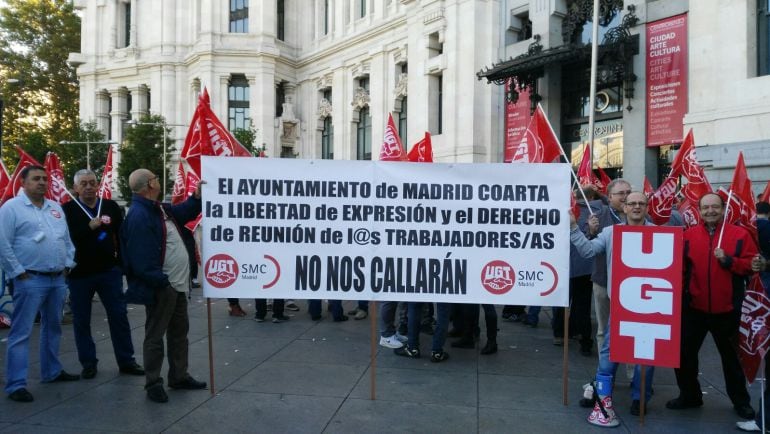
367	230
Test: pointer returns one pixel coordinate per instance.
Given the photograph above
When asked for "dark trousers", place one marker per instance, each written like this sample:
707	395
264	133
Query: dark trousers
335	307
260	304
580	294
109	286
469	320
167	317
724	330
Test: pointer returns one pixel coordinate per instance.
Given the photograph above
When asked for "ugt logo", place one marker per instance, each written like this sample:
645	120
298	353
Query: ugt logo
497	277
221	270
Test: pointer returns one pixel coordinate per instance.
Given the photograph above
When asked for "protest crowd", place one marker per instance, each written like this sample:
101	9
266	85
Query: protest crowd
58	246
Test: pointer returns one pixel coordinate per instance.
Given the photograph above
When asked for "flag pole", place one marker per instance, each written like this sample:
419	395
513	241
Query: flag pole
78	202
592	91
724	219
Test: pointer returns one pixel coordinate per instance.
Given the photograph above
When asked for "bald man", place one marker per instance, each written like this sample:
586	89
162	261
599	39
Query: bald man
157	266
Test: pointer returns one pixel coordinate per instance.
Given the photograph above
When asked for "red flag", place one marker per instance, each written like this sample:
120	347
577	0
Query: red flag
540	144
754	335
686	164
207	136
648	190
105	187
741	188
14	184
57	188
392	149
765	196
5	179
191	183
689	212
193	224
574	206
661	200
179	193
604	181
584	173
422	151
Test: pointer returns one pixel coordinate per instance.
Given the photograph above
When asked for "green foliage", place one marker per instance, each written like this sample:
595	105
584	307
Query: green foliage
73	155
143	149
36	37
247	137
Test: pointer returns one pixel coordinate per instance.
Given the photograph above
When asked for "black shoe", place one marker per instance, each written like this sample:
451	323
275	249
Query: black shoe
464	343
744	411
341	318
156	393
312	317
636	408
586	403
189	383
529	322
680	403
132	368
515	317
454	333
88	372
63	376
21	395
439	356
489	348
280	318
413	353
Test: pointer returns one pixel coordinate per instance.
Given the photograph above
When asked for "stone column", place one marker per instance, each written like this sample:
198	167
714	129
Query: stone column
102	112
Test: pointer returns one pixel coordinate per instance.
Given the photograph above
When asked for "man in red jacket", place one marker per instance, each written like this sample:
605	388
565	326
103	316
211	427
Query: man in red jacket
714	287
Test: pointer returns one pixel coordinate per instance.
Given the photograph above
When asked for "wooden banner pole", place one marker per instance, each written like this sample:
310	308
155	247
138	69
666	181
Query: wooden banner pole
373	349
565	359
211	348
642	395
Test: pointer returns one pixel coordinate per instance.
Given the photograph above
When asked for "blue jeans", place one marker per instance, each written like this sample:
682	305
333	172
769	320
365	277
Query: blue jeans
109	285
610	368
363	305
414	314
388	318
335	307
30	295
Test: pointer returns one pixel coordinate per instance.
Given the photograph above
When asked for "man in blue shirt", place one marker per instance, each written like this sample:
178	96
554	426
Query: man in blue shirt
37	253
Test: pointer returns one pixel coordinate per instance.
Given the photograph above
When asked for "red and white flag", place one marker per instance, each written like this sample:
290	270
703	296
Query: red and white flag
539	144
747	206
422	151
57	187
661	201
5	179
208	136
765	196
14	184
753	331
105	187
647	188
686	164
690	212
392	149
604	181
179	193
584	173
191	182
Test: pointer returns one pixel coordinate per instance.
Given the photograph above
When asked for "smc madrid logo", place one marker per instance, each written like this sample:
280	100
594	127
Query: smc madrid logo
497	277
221	271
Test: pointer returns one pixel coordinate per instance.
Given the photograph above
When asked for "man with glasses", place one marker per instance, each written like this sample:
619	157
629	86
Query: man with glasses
157	265
718	256
635	214
94	224
611	214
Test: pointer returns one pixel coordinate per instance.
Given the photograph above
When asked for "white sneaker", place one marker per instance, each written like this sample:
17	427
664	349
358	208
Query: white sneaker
588	391
748	425
606	418
390	342
401	338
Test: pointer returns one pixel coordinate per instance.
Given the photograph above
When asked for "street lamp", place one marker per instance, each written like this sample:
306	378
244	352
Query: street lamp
163	124
11	81
88	144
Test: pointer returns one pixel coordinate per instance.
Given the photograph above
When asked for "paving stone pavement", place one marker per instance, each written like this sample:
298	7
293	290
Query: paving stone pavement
303	376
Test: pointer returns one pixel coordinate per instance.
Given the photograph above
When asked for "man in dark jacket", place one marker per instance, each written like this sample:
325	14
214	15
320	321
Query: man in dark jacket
93	225
717	258
157	266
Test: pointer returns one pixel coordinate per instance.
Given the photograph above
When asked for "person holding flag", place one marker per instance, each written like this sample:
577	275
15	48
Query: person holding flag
94	224
36	253
717	257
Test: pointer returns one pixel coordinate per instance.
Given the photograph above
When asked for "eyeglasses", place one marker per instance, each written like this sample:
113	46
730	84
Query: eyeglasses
635	204
621	193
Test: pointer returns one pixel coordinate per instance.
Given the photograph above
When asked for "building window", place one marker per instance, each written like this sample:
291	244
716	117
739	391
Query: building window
109	118
364	83
435	46
436	99
763	37
239	16
364	135
238	103
280	98
362	8
129	105
519	29
280	18
327	139
326	17
402	123
149	100
124	25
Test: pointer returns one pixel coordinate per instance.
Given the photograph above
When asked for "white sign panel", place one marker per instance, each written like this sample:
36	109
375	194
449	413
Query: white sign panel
367	230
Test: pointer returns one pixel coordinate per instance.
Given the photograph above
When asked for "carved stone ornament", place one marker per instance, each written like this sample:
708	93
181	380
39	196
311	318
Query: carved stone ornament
324	108
360	98
401	85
